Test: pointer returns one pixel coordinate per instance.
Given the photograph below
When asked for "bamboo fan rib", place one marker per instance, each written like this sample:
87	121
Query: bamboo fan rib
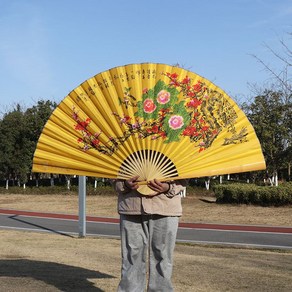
148	164
151	120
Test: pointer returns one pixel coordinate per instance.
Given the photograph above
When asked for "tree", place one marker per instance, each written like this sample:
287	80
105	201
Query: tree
19	133
13	145
34	120
271	119
36	117
280	87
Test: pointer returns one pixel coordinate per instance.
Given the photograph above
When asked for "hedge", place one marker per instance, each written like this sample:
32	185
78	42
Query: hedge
253	194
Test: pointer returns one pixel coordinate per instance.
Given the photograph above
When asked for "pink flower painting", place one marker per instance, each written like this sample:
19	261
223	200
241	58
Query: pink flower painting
163	97
176	122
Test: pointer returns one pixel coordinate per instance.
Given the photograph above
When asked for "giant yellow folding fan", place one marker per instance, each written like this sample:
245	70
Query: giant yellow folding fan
151	120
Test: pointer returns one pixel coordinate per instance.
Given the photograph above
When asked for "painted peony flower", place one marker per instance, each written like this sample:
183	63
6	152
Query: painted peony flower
176	122
149	106
163	97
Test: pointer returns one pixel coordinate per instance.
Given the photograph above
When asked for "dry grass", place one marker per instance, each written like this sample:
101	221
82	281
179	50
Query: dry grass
196	208
33	262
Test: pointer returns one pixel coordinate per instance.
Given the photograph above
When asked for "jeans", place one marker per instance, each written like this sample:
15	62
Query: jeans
147	239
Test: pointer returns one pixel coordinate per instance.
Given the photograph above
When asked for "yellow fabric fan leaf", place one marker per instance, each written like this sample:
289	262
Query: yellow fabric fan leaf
151	120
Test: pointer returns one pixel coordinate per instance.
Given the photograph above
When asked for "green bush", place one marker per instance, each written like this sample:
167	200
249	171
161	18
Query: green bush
253	194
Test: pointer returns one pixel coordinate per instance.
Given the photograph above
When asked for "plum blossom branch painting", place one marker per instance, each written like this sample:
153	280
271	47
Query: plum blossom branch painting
169	111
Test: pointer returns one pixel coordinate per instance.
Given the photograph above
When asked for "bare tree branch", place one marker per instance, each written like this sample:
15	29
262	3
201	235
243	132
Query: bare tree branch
282	77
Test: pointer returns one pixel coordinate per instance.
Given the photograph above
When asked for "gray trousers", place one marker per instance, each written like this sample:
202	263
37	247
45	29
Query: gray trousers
147	239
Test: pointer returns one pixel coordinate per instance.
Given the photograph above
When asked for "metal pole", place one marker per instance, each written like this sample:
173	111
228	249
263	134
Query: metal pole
82	205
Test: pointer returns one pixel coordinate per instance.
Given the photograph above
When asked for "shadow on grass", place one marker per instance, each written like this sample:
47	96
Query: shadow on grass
63	277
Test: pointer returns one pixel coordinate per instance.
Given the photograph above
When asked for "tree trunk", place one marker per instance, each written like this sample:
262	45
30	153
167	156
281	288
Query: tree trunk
68	183
274	179
220	179
276	182
207	183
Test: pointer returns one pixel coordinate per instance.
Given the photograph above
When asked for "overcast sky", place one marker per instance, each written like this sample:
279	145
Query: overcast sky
49	47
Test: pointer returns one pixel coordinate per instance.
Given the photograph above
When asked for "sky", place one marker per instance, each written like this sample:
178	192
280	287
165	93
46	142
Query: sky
49	47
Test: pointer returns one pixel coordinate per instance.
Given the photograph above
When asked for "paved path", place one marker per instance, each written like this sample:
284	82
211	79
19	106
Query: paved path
221	234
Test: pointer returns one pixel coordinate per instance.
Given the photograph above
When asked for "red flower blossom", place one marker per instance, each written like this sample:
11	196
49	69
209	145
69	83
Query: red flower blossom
186	80
186	132
125	119
190	131
155	129
174	83
172	76
197	87
82	125
95	142
194	103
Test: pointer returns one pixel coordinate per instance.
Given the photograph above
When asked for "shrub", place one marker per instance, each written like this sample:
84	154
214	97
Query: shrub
253	194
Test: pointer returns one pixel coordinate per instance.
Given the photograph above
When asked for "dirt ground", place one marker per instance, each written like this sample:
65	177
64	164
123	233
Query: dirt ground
33	262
